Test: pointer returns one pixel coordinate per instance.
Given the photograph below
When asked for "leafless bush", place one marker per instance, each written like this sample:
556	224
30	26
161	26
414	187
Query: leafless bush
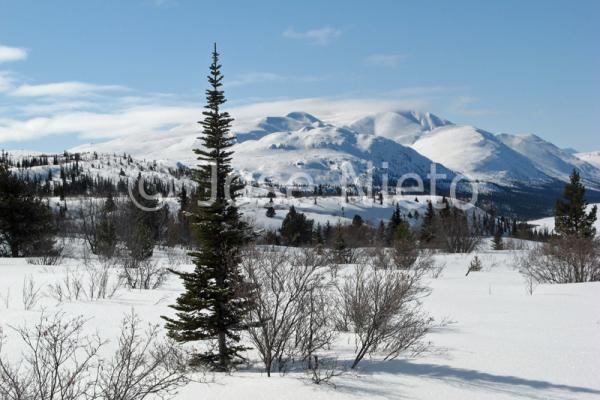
30	293
142	274
323	370
383	307
291	311
563	260
60	362
142	366
52	257
457	234
70	288
101	280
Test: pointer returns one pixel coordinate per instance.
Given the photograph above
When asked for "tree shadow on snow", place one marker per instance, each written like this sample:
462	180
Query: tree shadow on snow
507	384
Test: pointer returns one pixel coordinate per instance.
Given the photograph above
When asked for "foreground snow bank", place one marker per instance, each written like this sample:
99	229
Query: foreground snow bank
500	342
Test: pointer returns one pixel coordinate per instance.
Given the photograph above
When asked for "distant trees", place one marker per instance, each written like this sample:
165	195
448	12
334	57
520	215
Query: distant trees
574	254
26	222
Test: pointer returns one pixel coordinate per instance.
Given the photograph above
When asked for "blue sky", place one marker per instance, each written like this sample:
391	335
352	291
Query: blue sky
78	71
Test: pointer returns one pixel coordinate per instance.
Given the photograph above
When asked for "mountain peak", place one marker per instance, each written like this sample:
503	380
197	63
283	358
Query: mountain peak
402	126
302	116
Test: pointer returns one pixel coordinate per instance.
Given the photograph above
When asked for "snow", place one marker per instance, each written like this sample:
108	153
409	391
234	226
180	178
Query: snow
404	127
477	154
548	223
592	157
550	159
502	343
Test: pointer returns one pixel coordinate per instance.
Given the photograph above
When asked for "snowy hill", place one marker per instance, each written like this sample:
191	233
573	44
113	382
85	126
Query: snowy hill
404	127
478	154
591	157
550	159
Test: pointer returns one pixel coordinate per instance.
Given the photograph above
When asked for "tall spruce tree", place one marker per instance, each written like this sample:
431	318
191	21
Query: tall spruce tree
571	217
213	306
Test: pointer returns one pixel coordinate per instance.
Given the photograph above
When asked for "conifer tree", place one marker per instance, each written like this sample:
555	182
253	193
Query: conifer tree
26	223
571	217
497	241
214	306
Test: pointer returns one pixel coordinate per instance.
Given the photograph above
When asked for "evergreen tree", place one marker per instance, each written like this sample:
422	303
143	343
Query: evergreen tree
428	227
270	212
498	243
571	218
214	306
26	223
296	229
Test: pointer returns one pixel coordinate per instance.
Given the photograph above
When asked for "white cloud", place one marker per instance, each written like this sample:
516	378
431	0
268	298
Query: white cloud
63	89
385	60
12	54
320	36
6	81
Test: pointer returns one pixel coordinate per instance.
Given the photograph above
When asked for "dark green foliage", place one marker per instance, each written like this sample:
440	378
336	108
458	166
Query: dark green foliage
215	302
296	229
143	223
571	218
428	227
498	243
26	223
270	212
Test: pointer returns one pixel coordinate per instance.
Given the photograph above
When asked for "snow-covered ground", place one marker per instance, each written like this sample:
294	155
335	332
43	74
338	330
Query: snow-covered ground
502	343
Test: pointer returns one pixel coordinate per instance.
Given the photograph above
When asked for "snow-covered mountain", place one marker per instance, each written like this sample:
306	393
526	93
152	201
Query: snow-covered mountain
404	127
550	159
591	157
478	154
322	151
280	146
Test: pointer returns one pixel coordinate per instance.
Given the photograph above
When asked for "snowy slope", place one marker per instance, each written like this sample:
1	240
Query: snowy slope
404	127
591	157
550	159
477	154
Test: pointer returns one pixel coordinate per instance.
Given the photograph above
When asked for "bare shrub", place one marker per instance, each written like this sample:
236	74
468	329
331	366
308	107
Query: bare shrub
53	256
70	288
321	371
563	260
383	308
30	293
60	362
142	366
142	274
457	234
101	280
292	314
